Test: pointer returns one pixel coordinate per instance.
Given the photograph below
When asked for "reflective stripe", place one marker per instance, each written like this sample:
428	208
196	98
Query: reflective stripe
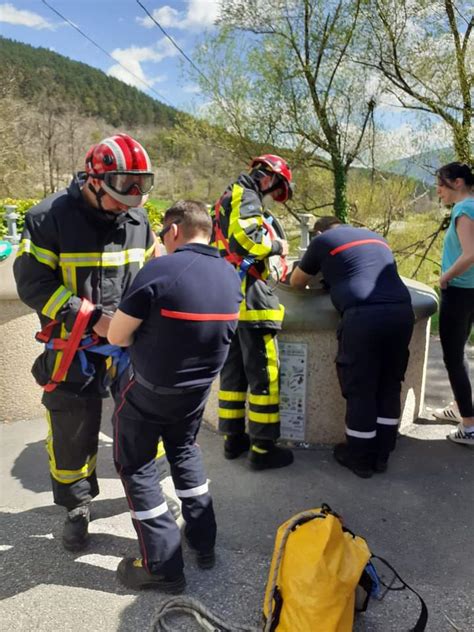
387	421
237	225
233	396
194	491
117	153
272	364
168	313
225	413
150	513
275	315
360	242
264	418
96	259
56	301
160	450
66	476
259	450
150	252
264	400
361	435
48	257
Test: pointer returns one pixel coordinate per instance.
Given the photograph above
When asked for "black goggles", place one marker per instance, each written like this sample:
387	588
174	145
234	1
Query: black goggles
124	182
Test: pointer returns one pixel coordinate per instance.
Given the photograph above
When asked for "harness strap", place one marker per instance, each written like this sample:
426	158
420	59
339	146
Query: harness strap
71	345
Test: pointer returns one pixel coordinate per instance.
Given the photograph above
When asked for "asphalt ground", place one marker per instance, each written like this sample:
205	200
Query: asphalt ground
419	516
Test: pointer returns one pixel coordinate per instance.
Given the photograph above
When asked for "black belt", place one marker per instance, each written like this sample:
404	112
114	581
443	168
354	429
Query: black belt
162	390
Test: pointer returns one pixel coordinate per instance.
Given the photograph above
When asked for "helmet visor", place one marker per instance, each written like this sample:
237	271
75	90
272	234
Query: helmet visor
129	183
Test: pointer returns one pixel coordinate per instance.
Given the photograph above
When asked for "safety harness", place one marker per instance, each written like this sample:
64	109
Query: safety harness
78	343
245	265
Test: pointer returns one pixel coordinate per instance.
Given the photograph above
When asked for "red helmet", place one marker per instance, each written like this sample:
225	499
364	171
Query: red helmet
124	166
277	165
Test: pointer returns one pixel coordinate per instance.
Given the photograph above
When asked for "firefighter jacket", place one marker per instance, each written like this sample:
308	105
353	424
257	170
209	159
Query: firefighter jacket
69	251
241	237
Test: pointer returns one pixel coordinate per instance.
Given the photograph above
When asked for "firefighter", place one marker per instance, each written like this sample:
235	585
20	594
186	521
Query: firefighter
377	321
80	249
242	237
179	317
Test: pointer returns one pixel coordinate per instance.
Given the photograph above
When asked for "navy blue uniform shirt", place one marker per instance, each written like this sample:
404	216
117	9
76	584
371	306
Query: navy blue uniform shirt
189	303
358	267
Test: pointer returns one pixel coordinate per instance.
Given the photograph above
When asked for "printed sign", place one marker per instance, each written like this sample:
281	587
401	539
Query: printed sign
293	363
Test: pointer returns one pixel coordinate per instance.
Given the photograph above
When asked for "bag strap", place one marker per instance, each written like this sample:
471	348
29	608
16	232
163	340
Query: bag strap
423	618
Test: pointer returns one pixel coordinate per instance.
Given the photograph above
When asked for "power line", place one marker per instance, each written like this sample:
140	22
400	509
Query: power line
188	59
161	96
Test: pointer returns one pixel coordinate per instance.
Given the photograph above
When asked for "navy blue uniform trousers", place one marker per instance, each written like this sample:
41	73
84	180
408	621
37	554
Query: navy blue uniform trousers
141	418
371	363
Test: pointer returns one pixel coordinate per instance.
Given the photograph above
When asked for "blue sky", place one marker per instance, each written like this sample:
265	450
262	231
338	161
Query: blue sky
123	29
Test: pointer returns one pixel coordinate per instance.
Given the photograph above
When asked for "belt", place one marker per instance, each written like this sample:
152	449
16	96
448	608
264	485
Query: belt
163	390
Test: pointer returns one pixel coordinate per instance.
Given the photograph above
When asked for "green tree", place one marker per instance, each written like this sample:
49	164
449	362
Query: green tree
279	74
423	51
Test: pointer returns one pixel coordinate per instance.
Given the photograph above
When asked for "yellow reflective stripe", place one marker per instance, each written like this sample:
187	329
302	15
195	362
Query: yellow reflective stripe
160	450
233	396
95	259
150	252
264	400
272	364
264	418
251	222
231	414
276	315
66	476
258	450
56	301
48	257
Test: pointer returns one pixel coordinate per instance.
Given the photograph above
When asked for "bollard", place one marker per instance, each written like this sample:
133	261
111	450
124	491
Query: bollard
11	217
305	219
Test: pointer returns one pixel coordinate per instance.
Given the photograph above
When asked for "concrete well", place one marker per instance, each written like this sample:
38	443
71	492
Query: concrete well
311	319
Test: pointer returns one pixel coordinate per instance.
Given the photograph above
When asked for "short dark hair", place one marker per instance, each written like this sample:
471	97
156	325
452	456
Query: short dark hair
454	170
324	223
193	217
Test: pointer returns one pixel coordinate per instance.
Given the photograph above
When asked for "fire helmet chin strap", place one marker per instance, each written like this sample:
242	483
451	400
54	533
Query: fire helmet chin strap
98	195
261	173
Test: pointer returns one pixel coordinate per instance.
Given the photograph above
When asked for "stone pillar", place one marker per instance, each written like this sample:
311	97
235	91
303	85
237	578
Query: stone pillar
20	397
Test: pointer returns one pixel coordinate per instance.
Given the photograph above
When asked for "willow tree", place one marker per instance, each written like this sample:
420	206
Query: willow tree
279	74
423	50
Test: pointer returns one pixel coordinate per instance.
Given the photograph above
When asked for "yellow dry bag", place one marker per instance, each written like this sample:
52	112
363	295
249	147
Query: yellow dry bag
315	569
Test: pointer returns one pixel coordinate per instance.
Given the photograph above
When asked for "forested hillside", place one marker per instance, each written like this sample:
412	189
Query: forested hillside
77	84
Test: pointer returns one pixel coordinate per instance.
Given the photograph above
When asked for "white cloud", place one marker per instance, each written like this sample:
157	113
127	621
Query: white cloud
131	59
410	139
11	15
192	88
197	15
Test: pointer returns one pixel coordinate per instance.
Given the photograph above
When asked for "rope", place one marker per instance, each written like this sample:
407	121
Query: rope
206	619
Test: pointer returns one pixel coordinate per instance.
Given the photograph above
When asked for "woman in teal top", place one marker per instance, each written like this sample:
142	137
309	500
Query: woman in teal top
456	314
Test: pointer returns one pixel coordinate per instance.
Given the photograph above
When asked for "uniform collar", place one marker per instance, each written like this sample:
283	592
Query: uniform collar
249	183
202	249
74	190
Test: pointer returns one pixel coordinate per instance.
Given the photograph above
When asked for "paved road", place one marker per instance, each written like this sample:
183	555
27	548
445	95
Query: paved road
419	516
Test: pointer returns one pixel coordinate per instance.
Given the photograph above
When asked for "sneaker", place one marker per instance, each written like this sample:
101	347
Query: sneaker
75	533
235	445
132	574
448	413
461	435
359	465
273	457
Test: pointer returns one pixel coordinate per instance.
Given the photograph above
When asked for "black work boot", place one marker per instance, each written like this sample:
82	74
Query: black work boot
380	463
235	445
75	532
360	465
205	558
132	574
268	457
